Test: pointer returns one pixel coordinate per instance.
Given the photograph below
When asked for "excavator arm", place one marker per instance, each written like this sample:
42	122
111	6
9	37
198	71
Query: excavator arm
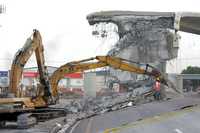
130	66
102	61
20	59
33	44
43	75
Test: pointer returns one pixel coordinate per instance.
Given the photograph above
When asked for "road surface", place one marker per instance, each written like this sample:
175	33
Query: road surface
118	119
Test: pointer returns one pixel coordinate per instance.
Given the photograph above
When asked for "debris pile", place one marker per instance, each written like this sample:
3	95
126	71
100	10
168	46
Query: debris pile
89	107
79	109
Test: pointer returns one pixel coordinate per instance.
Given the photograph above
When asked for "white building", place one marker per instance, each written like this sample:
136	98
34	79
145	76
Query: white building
94	82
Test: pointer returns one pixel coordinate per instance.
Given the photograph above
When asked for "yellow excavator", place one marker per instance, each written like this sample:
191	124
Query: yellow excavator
101	61
21	58
16	104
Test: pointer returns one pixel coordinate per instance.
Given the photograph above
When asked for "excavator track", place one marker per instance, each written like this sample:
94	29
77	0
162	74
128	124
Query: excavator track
44	114
27	118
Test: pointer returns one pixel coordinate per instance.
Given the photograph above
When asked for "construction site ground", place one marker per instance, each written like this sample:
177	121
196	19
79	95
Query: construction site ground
164	115
41	127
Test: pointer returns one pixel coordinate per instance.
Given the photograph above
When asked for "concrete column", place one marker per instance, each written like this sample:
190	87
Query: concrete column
90	84
179	83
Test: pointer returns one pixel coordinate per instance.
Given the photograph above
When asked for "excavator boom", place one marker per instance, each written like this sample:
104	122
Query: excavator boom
33	44
20	59
102	61
39	53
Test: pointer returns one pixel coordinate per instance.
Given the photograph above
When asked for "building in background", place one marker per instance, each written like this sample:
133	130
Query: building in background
30	80
95	83
186	82
4	79
90	83
30	75
4	83
70	84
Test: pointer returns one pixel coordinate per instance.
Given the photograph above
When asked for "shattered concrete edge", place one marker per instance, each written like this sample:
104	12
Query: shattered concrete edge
143	36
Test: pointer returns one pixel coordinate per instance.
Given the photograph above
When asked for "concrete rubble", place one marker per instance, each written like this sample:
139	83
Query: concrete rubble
89	107
97	106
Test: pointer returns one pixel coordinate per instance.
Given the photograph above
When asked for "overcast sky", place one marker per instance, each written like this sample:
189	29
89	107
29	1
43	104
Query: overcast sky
67	35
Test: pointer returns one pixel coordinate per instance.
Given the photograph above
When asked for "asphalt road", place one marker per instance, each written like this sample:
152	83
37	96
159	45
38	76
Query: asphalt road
184	121
118	119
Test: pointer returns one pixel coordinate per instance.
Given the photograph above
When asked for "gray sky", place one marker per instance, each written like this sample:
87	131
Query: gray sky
66	33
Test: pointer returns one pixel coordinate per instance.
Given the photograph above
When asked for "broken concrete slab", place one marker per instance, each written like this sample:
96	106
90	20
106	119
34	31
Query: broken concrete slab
143	37
186	21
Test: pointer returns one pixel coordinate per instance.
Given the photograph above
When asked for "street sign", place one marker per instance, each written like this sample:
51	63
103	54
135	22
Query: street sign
3	73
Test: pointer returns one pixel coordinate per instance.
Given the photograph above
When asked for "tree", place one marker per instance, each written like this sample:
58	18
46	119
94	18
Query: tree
191	70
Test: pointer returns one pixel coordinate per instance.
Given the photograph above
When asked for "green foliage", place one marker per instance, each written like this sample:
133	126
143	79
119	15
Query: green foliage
191	70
